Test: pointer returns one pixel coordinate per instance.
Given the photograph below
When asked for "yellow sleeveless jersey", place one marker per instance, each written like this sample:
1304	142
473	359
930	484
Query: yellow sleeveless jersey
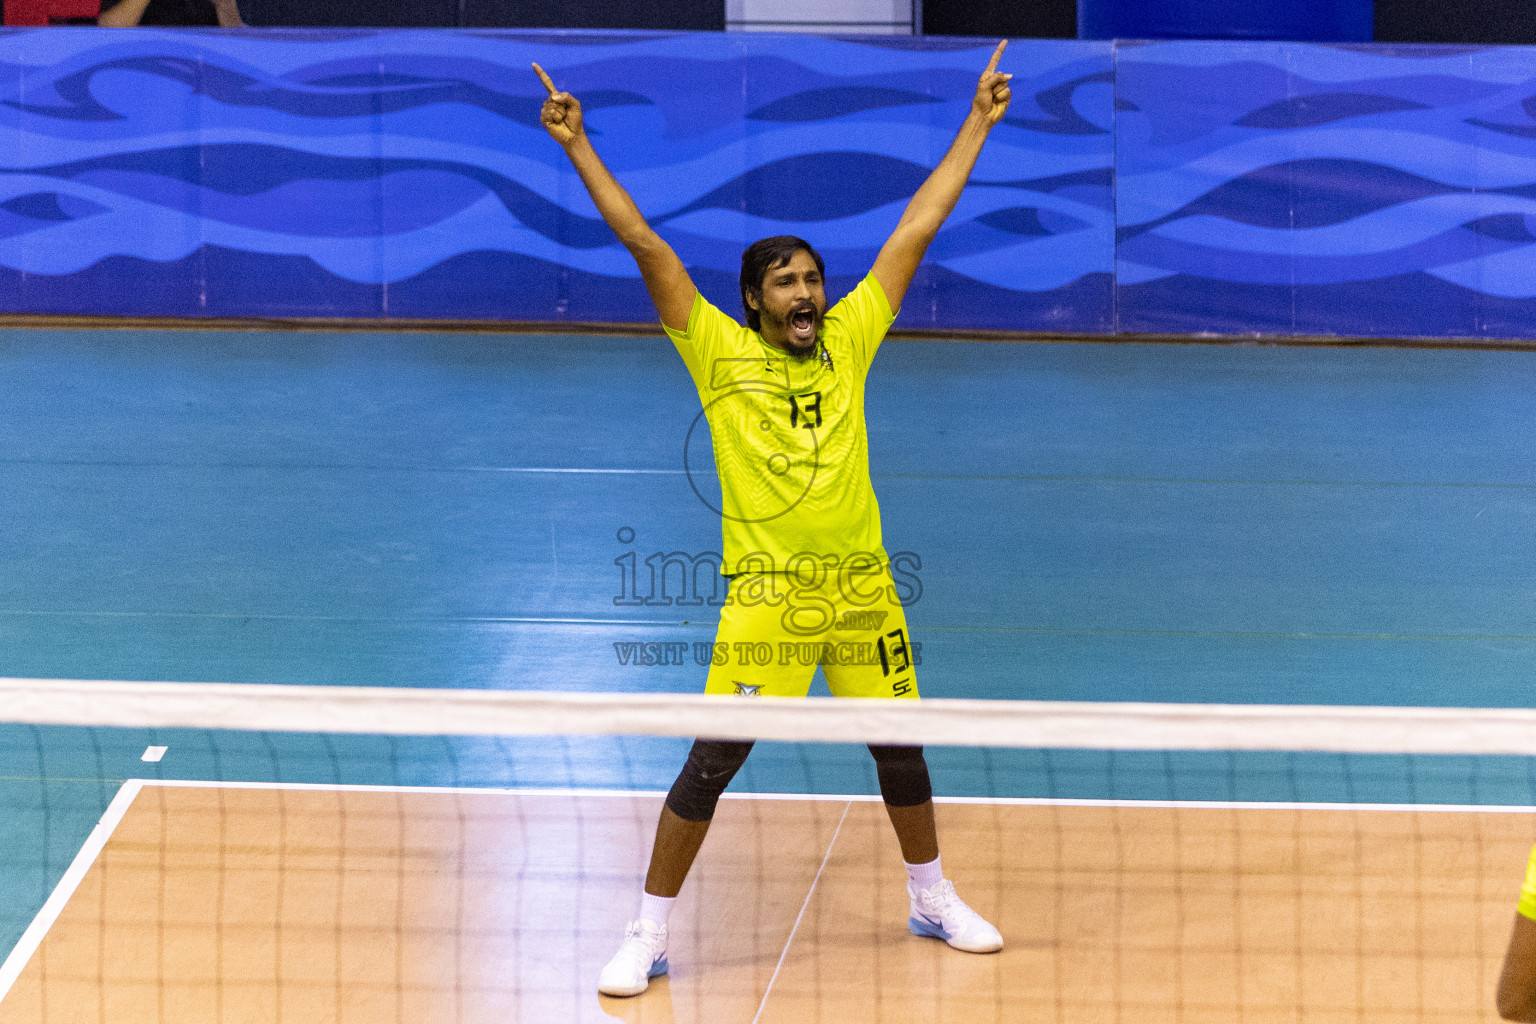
789	440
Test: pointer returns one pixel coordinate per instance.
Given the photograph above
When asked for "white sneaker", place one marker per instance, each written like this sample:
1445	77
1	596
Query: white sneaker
938	913
642	957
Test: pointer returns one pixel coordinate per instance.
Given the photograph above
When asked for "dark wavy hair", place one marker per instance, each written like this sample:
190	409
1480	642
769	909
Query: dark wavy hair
764	255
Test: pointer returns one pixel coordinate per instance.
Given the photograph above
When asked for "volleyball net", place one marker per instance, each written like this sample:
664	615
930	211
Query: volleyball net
181	852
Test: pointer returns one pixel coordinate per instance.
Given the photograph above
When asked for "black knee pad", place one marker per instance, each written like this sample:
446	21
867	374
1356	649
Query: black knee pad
903	775
710	767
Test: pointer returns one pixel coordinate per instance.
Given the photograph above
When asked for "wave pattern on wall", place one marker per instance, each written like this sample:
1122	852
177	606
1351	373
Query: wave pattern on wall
1176	187
359	174
1339	190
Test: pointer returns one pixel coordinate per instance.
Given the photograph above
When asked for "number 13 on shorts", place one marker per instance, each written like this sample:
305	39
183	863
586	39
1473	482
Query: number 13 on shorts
896	661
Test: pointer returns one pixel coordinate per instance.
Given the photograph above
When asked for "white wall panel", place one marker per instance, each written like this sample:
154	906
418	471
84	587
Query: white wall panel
828	16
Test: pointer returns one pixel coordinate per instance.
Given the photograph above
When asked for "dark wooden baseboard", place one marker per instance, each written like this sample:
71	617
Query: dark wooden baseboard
363	325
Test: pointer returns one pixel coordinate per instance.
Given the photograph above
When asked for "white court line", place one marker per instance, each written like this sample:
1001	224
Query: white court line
577	471
361	787
809	893
349	787
999	801
1233	805
33	936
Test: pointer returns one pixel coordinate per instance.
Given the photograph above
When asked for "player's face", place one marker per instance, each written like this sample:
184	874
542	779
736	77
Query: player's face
792	304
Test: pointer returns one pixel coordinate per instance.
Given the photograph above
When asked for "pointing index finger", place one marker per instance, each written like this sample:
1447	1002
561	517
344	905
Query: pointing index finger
997	55
551	85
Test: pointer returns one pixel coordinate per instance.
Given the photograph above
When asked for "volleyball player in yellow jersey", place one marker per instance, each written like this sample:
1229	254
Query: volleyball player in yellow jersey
810	584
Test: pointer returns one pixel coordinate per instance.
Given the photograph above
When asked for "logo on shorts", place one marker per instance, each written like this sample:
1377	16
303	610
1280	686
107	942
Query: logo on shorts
747	689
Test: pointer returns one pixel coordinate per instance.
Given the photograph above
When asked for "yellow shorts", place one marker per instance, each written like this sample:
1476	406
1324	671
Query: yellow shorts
775	628
1527	904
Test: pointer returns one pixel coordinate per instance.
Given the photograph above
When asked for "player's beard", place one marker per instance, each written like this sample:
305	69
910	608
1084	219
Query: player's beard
799	348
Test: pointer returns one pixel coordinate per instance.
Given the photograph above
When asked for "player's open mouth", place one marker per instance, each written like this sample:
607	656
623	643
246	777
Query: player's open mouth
802	325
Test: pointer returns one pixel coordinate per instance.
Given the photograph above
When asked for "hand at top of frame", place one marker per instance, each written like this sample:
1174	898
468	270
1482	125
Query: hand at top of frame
992	92
562	112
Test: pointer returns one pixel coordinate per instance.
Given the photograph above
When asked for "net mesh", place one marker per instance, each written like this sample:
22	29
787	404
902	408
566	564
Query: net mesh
314	870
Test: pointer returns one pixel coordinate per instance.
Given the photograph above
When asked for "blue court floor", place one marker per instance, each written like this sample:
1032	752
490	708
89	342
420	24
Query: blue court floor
1084	521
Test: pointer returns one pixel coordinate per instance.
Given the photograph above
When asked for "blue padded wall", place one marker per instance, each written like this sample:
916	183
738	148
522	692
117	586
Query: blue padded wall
1285	189
365	174
1170	187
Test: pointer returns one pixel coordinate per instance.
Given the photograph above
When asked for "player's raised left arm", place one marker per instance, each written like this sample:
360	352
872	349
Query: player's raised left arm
932	204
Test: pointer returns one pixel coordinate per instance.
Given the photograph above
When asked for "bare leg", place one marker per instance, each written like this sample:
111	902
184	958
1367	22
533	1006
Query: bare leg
915	831
644	952
677	843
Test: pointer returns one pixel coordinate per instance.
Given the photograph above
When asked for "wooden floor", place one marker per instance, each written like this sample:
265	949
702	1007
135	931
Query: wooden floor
235	905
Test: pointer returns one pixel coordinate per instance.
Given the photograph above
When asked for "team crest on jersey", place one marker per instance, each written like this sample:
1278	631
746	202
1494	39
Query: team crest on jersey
748	689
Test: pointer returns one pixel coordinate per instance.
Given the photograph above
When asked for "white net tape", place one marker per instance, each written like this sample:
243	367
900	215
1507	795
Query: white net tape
931	722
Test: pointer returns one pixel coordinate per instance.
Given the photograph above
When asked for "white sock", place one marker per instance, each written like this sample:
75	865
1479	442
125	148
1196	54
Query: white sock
656	908
925	876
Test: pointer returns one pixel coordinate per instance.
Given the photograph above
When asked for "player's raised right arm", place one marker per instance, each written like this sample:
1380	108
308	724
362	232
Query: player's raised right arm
672	290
